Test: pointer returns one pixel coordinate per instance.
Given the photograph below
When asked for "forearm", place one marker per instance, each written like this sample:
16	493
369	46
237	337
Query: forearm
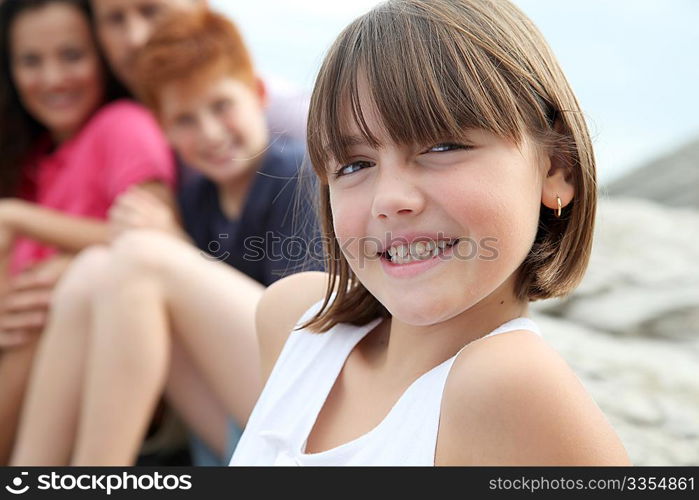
67	232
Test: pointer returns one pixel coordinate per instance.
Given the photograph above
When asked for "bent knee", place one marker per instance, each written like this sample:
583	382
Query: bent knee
84	276
147	251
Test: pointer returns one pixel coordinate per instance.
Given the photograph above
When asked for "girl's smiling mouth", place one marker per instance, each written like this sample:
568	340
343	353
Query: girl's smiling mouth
404	260
404	253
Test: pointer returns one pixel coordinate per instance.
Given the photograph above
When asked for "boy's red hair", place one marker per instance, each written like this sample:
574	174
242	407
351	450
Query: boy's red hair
191	45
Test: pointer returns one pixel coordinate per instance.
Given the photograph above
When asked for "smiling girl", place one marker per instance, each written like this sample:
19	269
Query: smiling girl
436	127
66	156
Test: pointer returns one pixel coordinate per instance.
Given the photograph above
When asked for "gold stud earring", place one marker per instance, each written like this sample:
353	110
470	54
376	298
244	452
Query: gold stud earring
558	211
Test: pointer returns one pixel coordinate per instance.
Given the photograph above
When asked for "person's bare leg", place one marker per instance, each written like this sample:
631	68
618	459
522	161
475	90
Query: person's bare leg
190	395
49	417
211	307
15	369
126	369
14	373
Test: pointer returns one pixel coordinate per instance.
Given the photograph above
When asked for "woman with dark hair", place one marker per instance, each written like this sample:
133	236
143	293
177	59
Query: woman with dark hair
69	148
19	130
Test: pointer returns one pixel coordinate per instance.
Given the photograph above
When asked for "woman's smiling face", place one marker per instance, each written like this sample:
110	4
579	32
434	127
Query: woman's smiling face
473	202
56	67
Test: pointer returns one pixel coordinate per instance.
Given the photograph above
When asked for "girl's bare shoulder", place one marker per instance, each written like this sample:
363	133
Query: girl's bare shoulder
511	399
282	304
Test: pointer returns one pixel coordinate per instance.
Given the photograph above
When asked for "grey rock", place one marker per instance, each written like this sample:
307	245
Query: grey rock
648	388
643	276
671	179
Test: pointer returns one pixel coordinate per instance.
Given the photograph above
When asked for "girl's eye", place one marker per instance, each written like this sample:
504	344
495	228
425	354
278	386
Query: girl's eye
352	168
445	147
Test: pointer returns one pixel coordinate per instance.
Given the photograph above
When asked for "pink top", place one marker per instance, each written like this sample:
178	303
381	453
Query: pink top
121	145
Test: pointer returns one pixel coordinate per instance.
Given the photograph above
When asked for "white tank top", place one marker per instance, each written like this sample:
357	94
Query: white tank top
300	383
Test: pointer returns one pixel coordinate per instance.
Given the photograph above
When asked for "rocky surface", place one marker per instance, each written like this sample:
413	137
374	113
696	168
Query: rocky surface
631	329
671	179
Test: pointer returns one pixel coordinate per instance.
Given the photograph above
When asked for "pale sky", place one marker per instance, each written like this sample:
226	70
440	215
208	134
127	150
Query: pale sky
633	64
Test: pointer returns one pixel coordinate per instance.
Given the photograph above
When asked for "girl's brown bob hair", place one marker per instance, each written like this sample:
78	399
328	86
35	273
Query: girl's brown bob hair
435	68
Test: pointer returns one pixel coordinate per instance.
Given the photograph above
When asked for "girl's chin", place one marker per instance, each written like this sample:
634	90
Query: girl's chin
420	312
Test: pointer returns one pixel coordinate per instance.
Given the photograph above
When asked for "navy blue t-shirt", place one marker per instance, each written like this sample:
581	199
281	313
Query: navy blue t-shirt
276	234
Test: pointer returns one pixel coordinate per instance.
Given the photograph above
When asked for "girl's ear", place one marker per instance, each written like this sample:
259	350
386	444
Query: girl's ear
559	181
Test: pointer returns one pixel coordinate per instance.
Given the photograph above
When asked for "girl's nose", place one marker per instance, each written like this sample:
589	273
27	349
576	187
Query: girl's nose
396	194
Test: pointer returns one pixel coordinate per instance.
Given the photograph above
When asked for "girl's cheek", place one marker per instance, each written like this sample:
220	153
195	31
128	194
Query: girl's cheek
344	221
349	225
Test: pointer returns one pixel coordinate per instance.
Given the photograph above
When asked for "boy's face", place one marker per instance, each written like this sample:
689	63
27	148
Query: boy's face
217	125
124	26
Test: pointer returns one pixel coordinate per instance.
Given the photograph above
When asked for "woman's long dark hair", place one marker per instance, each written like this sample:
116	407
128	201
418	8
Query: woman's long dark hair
19	131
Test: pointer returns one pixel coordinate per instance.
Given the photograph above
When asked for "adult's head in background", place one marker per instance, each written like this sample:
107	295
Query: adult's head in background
124	26
52	78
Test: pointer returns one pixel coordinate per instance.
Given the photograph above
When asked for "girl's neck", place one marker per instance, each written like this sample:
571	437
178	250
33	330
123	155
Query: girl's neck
400	348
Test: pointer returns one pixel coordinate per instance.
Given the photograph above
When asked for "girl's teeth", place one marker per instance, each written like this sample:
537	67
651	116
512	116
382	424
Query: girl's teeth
402	254
417	249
